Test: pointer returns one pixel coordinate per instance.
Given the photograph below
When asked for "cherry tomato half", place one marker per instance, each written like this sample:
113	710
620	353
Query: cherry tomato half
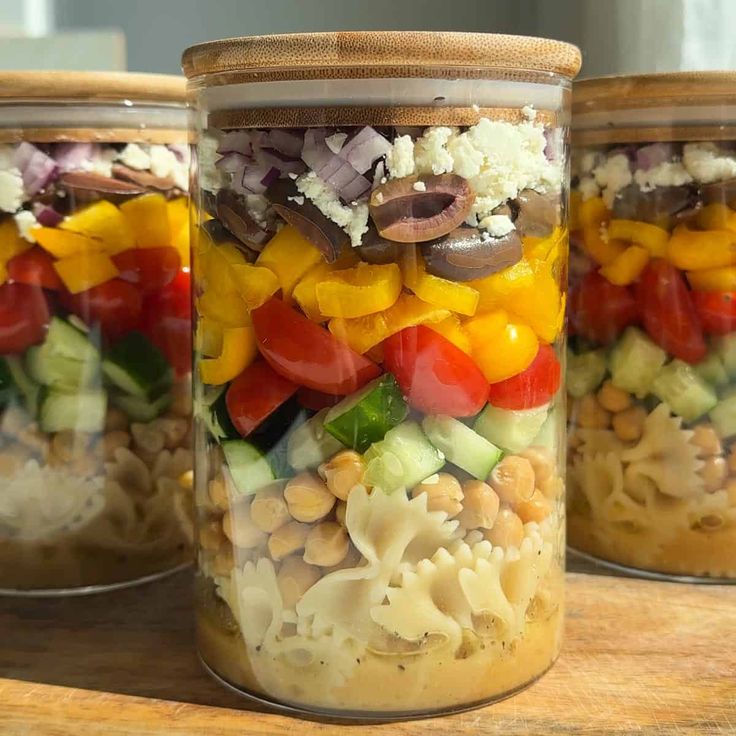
149	268
306	353
316	400
115	306
435	376
716	309
668	313
24	317
600	310
533	387
35	267
255	394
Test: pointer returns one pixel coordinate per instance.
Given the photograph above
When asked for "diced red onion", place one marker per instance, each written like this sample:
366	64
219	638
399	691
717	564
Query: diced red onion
231	162
179	150
364	149
330	167
275	159
271	176
236	141
286	142
249	180
647	157
553	138
46	216
35	166
72	156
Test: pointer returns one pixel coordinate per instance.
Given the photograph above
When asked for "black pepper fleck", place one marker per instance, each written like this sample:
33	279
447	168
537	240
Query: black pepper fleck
401	667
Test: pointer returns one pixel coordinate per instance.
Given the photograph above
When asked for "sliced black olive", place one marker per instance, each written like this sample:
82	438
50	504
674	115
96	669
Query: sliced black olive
656	206
302	215
143	178
536	214
232	212
219	235
378	250
464	255
719	191
88	186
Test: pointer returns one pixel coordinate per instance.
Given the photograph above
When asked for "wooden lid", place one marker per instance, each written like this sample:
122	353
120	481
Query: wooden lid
622	92
92	86
387	54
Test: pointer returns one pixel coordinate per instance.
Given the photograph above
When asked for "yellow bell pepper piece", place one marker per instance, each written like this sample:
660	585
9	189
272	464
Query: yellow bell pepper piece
239	350
63	244
216	265
11	243
602	250
694	250
362	333
548	249
3	272
713	279
305	292
537	305
83	271
627	267
209	337
451	295
178	210
356	292
576	199
254	284
148	218
102	221
716	216
225	307
500	348
651	237
492	289
592	211
451	329
289	255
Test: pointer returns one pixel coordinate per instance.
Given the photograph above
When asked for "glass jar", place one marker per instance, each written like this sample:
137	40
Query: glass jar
95	356
652	461
379	277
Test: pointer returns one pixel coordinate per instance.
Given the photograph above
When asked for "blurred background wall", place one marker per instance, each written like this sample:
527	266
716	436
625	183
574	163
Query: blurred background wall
148	35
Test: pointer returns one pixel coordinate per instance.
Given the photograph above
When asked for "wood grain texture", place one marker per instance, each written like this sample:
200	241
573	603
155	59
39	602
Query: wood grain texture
639	657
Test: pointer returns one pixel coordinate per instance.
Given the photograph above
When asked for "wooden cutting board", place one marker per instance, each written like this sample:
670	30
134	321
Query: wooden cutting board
640	658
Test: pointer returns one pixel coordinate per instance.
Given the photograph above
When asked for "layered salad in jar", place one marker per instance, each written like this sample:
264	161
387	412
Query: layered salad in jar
378	413
95	356
653	357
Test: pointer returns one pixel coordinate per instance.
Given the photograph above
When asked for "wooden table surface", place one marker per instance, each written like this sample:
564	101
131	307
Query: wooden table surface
640	658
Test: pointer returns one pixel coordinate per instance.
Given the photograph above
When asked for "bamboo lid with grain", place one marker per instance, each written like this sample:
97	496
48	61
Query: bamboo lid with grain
92	87
385	53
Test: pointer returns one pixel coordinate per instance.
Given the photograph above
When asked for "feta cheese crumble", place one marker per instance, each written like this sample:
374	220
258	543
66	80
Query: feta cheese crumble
135	157
11	190
25	221
497	225
419	186
666	174
529	112
613	176
706	162
211	178
588	188
165	164
430	153
400	159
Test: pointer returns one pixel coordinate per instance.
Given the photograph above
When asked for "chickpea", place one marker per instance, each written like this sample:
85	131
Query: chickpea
326	545
590	414
629	424
340	510
148	437
342	473
552	488
537	508
186	480
68	445
223	562
308	498
181	399
239	527
351	559
706	440
288	539
218	493
612	398
268	510
444	493
513	479
731	491
294	578
112	440
210	535
543	462
480	505
714	473
508	531
174	429
115	420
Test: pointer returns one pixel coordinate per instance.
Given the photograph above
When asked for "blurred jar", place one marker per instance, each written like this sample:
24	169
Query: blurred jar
95	356
380	232
652	363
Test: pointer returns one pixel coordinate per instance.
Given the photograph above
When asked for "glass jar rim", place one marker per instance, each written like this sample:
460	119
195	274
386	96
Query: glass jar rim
347	54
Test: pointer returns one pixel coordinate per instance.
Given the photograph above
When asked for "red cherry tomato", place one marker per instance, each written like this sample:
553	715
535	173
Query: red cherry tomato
668	313
174	300
716	309
306	353
435	375
173	337
532	387
24	317
316	400
35	267
149	268
115	306
600	310
254	394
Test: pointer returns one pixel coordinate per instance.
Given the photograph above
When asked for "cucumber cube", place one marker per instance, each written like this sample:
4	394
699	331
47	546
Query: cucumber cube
635	362
585	372
723	416
684	391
